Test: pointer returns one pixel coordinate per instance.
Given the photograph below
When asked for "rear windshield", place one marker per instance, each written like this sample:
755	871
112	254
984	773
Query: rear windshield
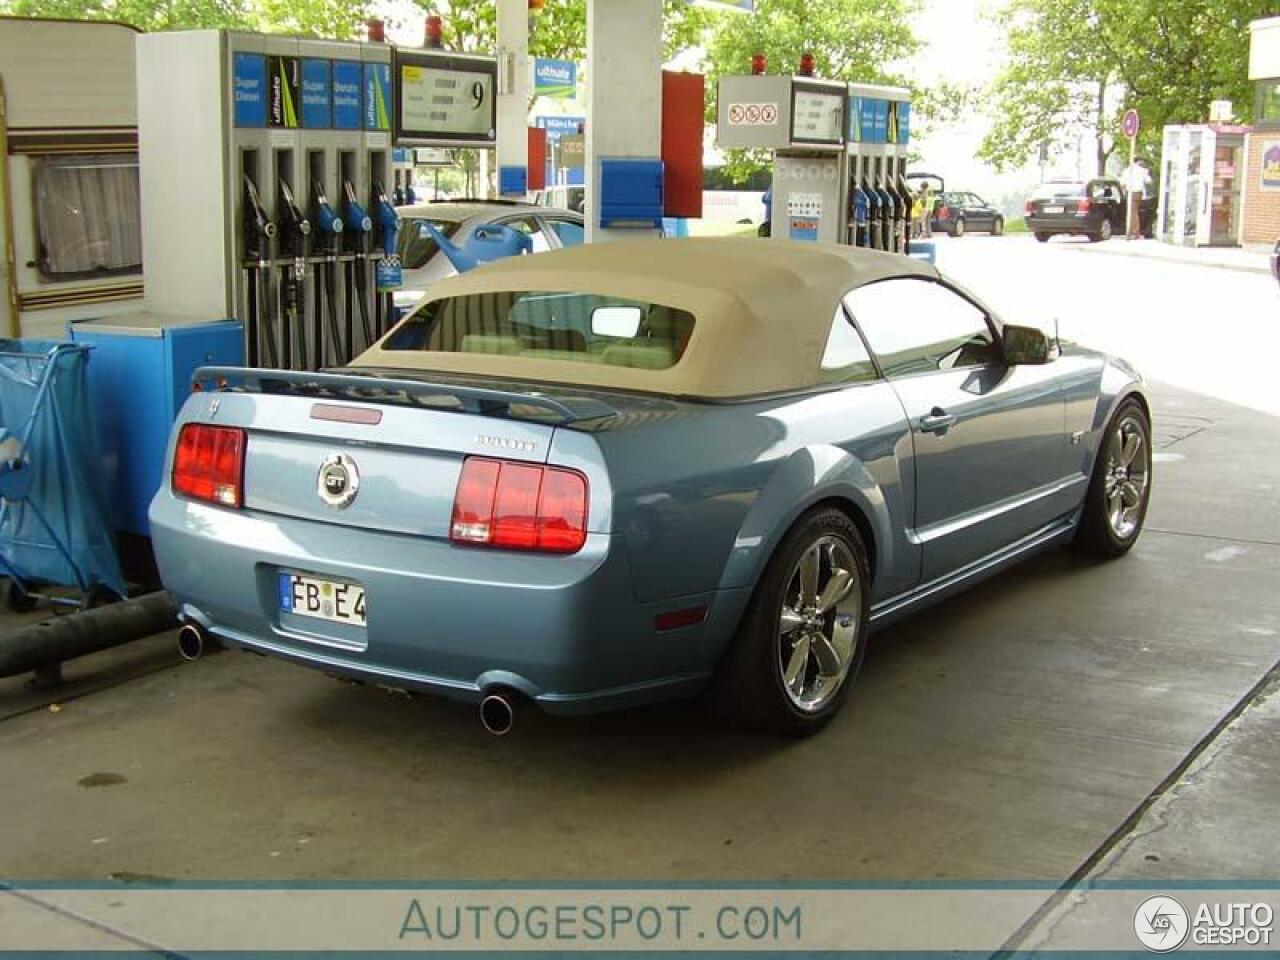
1056	191
580	327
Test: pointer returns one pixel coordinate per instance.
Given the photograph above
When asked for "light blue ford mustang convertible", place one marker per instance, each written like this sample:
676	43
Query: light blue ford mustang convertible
632	471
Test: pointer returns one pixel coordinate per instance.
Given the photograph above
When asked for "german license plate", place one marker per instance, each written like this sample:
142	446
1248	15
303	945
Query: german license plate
319	599
1053	210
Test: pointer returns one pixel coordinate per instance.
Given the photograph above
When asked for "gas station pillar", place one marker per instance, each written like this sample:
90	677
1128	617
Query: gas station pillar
513	98
624	101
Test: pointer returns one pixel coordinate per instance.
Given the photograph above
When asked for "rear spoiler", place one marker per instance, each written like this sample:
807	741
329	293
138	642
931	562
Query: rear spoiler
379	389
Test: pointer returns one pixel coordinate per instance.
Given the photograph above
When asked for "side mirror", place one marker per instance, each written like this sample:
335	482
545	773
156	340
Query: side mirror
620	322
1026	345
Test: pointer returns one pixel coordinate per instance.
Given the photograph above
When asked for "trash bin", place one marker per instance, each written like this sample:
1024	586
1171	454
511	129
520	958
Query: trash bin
54	526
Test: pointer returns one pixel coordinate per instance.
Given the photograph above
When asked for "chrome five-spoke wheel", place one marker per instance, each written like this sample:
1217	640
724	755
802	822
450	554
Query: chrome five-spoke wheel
1125	484
818	624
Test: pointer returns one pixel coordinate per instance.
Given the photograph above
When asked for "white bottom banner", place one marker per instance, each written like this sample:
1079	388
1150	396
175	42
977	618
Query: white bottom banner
644	919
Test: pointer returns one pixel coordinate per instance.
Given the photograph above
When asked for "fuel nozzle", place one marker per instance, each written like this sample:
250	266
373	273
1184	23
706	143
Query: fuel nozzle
326	218
356	218
387	218
258	228
294	227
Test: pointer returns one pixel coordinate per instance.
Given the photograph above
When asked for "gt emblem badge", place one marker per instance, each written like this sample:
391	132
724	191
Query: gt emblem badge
338	481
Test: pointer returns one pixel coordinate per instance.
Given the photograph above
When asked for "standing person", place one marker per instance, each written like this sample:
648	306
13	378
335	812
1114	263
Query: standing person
1136	182
926	210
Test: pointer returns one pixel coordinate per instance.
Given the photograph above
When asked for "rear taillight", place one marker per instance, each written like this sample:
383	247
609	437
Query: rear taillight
208	464
519	506
1030	207
944	212
1084	205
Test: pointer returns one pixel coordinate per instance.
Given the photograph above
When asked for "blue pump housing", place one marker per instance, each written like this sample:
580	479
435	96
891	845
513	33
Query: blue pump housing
631	193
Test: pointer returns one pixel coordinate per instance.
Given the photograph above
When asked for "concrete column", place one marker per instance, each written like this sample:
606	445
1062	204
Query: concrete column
624	94
513	94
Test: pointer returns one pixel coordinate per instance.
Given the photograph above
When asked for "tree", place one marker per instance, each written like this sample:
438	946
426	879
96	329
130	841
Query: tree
1075	67
144	14
854	40
560	30
333	19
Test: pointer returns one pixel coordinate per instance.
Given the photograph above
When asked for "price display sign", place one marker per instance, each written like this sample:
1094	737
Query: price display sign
444	99
817	115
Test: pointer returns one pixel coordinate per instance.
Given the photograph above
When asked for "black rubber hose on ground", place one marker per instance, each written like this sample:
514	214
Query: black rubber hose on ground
79	634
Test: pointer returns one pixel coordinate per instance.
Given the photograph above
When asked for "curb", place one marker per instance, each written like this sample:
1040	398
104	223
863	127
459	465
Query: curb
1101	248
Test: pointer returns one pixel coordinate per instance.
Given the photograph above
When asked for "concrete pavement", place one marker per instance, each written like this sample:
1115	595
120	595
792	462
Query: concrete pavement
1005	735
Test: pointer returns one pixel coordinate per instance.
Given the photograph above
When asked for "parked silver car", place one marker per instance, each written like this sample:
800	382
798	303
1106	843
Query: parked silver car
548	228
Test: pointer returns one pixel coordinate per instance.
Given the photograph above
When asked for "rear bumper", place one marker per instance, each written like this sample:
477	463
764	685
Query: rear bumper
1066	224
565	631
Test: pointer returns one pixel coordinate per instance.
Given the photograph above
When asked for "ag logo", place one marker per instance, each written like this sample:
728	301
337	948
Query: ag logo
338	481
1161	924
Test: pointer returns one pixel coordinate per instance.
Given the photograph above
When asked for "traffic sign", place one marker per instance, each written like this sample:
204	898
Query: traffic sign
1131	123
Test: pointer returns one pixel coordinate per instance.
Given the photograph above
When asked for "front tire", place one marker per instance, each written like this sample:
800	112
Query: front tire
997	228
1042	236
1115	506
803	636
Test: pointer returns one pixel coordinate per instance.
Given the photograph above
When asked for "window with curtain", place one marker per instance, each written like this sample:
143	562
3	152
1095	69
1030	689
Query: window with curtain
88	216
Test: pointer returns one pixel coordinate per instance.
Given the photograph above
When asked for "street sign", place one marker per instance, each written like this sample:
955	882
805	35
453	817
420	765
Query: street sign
1131	123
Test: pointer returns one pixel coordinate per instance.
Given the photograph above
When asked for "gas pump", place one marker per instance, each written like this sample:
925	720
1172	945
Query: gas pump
802	121
258	231
357	242
387	272
295	229
840	154
325	317
876	138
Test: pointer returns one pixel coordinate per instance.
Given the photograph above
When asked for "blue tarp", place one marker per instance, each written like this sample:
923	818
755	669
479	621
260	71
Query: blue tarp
53	520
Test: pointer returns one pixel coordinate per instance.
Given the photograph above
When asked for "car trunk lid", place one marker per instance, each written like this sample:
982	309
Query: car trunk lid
376	453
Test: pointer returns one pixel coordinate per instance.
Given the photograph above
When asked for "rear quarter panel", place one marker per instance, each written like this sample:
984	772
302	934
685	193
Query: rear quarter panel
703	494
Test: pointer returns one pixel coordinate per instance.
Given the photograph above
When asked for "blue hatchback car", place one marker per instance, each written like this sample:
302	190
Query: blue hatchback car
632	471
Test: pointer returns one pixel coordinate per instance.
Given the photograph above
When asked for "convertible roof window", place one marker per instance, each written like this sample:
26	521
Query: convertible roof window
544	325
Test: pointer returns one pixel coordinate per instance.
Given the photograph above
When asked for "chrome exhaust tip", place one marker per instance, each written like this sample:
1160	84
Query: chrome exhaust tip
194	643
498	713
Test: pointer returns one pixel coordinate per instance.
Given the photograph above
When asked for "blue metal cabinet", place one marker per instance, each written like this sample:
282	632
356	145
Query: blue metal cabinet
139	375
631	193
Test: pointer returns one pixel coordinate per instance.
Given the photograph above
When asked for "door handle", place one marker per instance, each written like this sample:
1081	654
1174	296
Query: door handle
937	420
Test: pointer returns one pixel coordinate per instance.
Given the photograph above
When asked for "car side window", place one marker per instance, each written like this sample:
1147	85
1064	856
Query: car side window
571	234
919	326
845	359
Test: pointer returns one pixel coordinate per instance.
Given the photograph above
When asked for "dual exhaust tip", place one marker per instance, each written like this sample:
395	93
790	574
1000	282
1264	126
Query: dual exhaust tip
194	642
497	709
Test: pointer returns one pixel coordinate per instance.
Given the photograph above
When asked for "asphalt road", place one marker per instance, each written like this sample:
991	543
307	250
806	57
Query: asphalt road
1208	329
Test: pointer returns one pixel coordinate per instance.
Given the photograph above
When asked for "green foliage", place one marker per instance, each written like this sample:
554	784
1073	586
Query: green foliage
559	31
334	19
145	14
1166	60
855	40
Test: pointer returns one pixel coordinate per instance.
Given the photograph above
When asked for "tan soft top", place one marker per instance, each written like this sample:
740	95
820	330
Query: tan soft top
762	310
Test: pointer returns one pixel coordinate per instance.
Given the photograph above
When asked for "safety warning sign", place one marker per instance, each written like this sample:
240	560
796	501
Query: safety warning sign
753	114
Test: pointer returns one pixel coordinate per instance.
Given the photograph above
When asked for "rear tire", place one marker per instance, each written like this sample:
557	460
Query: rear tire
1104	233
1115	506
1042	236
790	666
957	229
997	228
